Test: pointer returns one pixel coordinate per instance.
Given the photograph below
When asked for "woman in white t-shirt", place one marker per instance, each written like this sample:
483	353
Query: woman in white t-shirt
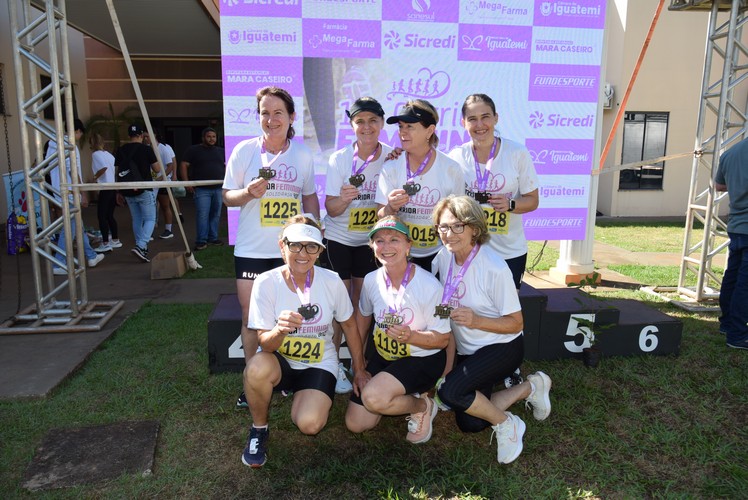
407	354
480	299
292	309
271	178
410	186
102	164
500	175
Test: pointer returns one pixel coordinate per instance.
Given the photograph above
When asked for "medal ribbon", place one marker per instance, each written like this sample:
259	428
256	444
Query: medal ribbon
411	175
355	171
305	295
482	178
450	285
263	151
395	306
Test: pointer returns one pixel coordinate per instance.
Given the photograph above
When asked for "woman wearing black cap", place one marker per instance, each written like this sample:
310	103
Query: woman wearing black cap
351	210
410	186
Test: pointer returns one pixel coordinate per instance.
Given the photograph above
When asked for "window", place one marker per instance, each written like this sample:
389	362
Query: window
644	136
49	111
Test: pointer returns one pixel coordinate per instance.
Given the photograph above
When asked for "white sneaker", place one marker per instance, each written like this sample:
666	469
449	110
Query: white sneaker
95	261
342	385
104	248
115	243
508	438
539	398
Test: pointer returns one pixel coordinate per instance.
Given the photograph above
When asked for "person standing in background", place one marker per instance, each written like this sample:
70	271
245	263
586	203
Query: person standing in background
169	161
204	162
102	164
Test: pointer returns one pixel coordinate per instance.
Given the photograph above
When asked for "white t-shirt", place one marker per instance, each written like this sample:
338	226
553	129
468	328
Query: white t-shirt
487	288
103	159
422	294
353	225
311	345
512	173
167	155
261	220
442	179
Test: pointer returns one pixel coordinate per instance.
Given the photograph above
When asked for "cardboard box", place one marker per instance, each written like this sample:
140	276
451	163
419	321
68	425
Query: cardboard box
168	265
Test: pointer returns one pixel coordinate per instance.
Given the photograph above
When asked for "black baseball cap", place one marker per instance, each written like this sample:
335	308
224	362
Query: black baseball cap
410	114
134	130
78	125
370	105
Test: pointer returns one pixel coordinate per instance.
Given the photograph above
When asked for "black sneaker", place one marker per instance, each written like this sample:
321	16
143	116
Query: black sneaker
216	243
200	246
241	402
166	235
256	453
740	344
141	253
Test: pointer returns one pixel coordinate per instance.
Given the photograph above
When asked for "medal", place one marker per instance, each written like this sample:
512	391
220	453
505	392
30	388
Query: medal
266	172
357	177
481	178
307	309
395	298
356	180
443	311
410	187
481	197
392	319
451	284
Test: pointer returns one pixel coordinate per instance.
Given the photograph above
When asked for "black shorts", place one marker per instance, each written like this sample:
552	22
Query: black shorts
417	374
348	261
248	269
162	192
308	378
517	267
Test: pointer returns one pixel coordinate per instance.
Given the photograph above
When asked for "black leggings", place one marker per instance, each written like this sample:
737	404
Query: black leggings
480	371
105	212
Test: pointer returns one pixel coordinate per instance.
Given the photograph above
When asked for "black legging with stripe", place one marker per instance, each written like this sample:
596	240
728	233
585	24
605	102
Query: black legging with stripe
105	213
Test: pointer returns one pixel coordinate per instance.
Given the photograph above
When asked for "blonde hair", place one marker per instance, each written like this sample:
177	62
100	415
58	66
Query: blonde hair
427	107
467	211
96	141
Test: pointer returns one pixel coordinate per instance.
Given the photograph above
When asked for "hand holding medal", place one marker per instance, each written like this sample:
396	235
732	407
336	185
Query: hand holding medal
288	321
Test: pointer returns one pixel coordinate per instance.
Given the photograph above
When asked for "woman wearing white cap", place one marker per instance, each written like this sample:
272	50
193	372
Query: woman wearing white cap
351	187
499	174
408	355
410	186
271	178
292	309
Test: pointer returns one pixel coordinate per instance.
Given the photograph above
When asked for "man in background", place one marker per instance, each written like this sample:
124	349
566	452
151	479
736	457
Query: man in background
169	161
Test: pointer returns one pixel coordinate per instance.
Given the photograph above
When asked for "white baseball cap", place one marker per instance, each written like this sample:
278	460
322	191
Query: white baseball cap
302	233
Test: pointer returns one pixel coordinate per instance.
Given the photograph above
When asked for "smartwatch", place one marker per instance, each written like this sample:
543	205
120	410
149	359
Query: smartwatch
512	204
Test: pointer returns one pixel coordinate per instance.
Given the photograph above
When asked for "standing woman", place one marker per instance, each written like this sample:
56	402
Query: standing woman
482	303
499	174
102	164
292	310
351	210
271	178
410	186
409	340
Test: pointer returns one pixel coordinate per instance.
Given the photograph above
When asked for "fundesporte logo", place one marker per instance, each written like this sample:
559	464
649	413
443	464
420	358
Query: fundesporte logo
392	40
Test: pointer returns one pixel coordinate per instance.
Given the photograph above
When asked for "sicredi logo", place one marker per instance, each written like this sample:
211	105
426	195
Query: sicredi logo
538	120
414	40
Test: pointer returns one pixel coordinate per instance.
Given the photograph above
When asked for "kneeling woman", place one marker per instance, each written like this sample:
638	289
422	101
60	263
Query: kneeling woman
481	300
293	307
408	355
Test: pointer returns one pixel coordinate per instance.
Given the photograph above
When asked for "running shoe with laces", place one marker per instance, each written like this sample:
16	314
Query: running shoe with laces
103	248
508	438
256	452
141	253
115	243
420	424
539	397
95	261
166	235
241	401
342	384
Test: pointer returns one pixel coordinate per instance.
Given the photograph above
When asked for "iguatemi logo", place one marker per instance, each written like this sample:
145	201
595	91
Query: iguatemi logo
472	43
569	9
538	120
261	36
242	115
425	84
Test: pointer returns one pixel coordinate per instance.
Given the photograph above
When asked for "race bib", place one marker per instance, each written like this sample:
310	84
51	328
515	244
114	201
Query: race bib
362	219
497	222
303	349
390	349
423	236
275	211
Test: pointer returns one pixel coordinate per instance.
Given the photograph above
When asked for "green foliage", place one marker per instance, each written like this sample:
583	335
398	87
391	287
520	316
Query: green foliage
112	126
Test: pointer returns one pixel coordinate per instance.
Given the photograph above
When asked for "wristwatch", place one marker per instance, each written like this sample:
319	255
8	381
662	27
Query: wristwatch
512	204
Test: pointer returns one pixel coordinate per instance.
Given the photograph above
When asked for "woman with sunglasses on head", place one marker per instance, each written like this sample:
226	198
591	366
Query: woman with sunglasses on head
500	175
410	186
351	186
292	309
408	355
271	178
481	301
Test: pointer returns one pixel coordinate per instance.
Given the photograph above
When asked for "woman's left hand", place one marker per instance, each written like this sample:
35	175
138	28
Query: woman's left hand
400	333
464	316
360	379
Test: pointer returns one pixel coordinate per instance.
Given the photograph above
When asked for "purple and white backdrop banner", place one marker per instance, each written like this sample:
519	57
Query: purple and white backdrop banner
539	60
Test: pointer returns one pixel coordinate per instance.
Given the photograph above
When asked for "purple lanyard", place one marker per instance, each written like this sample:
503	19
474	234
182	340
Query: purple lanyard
304	296
450	285
411	175
482	179
394	307
355	171
263	151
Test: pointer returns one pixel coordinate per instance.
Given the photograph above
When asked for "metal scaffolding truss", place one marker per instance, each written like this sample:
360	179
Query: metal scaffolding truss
40	47
721	123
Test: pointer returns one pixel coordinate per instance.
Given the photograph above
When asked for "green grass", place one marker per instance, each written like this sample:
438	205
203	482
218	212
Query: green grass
635	427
